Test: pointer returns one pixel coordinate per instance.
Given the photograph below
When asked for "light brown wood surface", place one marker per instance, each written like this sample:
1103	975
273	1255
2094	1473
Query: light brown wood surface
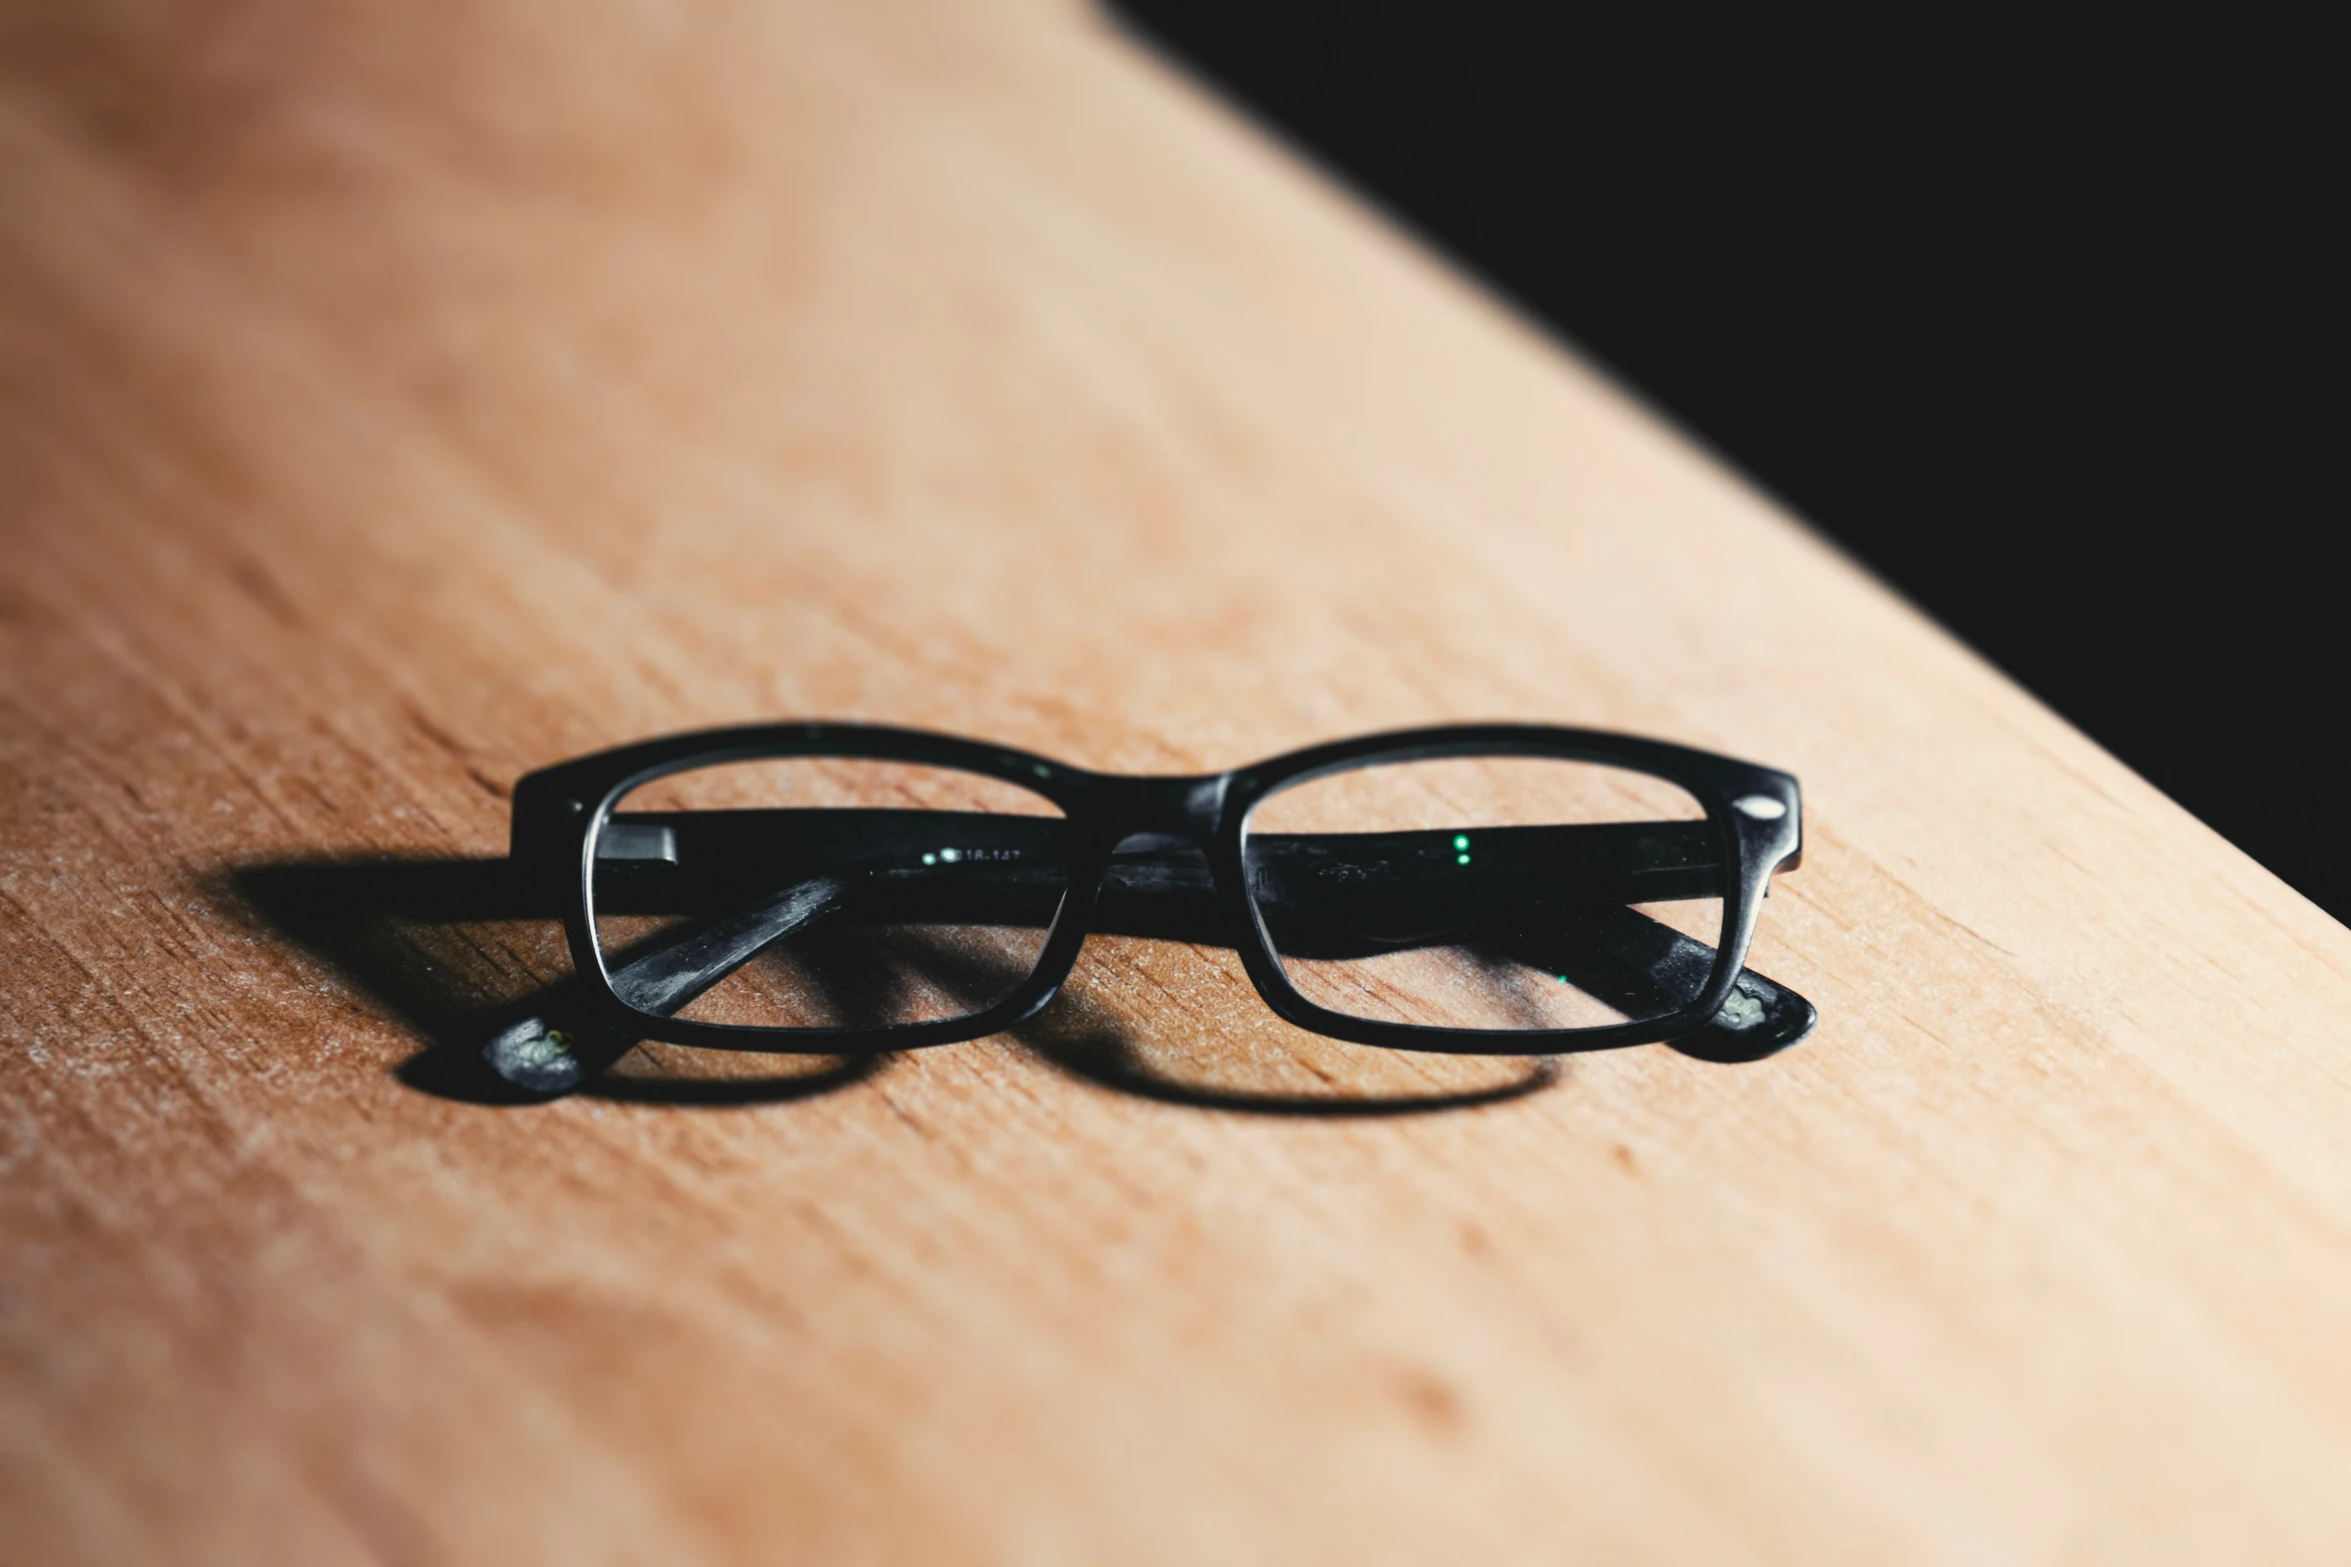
395	398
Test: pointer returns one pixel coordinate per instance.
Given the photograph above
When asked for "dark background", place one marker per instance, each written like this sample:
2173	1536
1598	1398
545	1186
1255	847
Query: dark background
2033	319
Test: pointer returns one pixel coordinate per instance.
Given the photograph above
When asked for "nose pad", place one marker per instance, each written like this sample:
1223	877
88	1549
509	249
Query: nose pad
1159	885
1143	843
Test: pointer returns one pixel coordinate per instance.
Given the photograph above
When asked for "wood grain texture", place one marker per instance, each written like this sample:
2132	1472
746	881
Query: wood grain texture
394	398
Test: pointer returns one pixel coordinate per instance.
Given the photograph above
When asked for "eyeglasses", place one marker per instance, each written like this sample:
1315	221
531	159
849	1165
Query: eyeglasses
1487	889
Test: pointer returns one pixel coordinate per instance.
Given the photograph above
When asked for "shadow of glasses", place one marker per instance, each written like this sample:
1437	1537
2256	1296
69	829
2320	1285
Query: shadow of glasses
467	955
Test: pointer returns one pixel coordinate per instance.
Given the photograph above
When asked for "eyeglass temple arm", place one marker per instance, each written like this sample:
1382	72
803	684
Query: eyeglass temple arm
660	977
1597	864
1612	952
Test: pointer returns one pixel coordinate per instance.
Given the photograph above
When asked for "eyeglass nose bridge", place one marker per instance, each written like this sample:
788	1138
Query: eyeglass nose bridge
1186	807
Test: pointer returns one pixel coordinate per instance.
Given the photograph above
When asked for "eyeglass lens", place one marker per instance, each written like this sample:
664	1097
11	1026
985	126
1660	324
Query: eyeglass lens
1497	893
826	892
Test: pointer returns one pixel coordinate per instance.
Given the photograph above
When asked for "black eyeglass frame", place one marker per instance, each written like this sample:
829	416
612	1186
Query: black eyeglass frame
559	814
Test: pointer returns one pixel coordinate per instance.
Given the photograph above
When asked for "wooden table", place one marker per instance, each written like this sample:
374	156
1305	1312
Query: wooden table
393	402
